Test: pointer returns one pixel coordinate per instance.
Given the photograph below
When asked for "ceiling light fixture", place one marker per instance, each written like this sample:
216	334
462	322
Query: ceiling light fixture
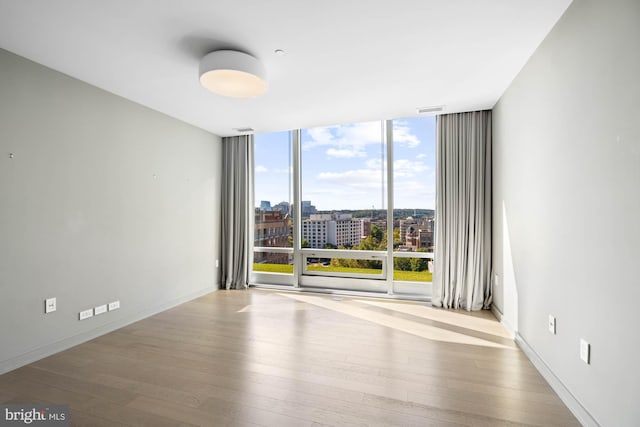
232	73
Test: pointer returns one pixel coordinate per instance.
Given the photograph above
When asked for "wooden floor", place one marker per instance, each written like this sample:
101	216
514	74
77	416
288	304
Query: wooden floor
269	358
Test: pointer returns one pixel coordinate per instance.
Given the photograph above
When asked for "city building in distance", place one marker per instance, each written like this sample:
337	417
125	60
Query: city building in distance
416	234
272	230
334	229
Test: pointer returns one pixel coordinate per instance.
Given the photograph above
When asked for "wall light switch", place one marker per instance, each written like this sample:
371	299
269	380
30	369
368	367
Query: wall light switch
50	305
552	325
585	351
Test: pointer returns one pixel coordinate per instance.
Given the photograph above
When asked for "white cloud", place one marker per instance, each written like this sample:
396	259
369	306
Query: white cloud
320	136
264	169
402	134
357	178
375	164
360	187
351	140
363	133
374	168
358	145
411	186
408	167
352	137
414	194
345	153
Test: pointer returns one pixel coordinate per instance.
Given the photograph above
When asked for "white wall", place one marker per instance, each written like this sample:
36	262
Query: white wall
567	205
103	200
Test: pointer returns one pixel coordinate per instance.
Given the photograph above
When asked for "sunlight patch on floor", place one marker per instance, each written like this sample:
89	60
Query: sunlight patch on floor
404	325
486	326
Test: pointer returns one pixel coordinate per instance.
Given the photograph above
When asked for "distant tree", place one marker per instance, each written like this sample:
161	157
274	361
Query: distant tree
376	233
402	264
305	243
369	244
371	263
336	262
329	246
419	264
382	245
397	240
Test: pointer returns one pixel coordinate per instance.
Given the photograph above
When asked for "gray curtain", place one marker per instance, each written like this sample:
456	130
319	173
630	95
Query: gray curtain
237	211
462	273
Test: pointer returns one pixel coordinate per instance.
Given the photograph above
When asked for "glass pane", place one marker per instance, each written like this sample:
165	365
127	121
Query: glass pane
272	262
273	197
273	190
412	269
414	191
344	187
345	265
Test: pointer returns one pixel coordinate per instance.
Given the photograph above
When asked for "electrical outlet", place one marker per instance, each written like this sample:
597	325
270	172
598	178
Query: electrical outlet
114	305
100	309
86	314
585	351
50	305
552	324
217	263
496	280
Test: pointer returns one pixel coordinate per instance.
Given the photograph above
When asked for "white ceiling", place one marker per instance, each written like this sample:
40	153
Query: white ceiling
345	60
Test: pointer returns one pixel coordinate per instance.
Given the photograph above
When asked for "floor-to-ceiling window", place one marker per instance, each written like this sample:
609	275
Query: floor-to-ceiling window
273	196
357	203
343	187
414	194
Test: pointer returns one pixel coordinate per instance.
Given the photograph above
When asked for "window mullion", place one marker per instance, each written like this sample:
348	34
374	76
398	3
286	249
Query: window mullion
297	203
388	127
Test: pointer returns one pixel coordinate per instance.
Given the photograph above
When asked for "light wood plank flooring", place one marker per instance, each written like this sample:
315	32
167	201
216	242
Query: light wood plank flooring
270	358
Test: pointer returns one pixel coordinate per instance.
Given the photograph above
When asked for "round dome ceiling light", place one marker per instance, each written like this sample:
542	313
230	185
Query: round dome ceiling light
234	74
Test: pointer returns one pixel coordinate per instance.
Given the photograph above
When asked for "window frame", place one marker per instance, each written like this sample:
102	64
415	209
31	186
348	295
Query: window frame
302	277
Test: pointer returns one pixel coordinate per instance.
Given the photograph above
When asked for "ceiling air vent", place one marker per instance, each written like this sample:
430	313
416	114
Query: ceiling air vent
425	110
244	130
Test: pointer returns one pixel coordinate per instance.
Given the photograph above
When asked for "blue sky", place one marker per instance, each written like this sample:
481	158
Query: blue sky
342	166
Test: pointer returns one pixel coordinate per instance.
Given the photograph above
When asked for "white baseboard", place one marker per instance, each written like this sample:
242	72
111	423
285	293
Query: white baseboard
558	386
496	312
500	316
66	343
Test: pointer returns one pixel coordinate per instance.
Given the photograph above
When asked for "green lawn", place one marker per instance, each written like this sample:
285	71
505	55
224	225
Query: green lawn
412	276
274	268
333	269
